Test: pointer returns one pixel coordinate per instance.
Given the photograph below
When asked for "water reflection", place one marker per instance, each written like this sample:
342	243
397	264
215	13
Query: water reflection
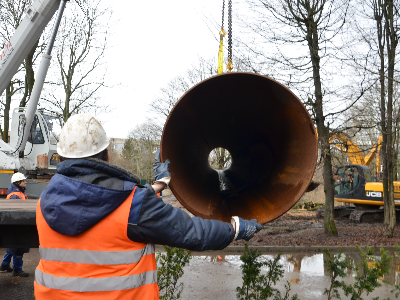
394	270
305	263
301	266
292	263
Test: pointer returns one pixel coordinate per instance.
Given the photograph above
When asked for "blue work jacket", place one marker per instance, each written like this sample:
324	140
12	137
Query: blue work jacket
84	191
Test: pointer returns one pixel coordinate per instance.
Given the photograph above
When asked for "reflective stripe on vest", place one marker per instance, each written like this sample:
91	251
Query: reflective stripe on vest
21	195
102	261
78	284
95	257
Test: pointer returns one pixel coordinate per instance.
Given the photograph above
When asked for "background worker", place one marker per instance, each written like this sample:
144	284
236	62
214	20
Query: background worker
348	181
97	226
15	191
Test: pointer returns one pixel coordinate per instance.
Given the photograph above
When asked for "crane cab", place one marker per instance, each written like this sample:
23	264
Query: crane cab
42	140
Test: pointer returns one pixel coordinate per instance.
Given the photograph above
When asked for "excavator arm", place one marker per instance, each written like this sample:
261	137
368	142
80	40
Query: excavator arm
354	153
378	155
375	151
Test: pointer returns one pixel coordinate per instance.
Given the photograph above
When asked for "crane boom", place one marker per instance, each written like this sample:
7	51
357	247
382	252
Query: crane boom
26	35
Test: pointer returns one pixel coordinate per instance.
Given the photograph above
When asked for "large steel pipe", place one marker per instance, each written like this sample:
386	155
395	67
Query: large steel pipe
269	134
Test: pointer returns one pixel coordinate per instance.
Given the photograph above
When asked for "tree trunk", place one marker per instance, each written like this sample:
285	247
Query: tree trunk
391	43
323	131
68	93
329	222
221	158
66	108
384	156
389	207
395	148
378	16
395	159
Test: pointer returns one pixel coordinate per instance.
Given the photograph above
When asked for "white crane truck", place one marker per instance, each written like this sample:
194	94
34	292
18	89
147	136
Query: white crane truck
33	140
33	143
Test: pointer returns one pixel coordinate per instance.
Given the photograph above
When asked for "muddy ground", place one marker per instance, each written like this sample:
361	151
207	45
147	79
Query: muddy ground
303	228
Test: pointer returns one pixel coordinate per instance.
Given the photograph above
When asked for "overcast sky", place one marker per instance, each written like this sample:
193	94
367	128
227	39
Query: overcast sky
153	42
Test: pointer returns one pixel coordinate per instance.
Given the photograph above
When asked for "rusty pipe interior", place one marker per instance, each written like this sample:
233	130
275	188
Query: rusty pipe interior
269	134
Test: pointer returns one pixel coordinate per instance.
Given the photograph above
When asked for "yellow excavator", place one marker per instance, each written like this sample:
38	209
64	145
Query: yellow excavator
354	152
354	183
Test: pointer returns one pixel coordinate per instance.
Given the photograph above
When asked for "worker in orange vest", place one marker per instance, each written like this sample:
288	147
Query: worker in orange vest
15	191
17	188
97	225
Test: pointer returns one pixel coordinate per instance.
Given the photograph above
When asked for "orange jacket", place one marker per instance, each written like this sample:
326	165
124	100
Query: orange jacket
100	263
21	195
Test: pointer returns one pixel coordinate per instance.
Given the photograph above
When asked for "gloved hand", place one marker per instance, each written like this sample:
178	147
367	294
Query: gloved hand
161	170
245	229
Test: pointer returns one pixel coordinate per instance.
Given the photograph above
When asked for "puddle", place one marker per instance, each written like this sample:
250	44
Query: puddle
216	276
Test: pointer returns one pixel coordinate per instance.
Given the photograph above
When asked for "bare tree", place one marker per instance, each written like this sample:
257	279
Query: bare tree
120	159
140	148
386	15
170	94
174	90
378	31
316	25
82	41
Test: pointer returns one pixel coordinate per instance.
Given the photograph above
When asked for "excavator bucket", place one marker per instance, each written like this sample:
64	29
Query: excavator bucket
266	129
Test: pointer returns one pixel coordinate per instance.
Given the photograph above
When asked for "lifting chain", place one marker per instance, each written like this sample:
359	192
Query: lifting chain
229	66
222	33
223	15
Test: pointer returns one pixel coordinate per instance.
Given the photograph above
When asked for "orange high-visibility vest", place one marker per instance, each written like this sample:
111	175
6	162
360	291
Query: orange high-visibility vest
100	263
21	195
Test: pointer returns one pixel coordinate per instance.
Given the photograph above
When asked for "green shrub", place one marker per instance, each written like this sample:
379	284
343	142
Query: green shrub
368	271
257	286
396	289
170	270
336	265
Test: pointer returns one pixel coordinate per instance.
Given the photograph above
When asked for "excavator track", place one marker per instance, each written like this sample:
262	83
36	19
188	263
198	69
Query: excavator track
367	216
370	216
355	215
339	212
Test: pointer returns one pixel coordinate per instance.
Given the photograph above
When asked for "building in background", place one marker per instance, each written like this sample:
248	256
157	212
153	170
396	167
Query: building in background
117	145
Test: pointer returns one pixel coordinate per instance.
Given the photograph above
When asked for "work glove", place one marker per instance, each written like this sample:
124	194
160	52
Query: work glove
245	229
161	170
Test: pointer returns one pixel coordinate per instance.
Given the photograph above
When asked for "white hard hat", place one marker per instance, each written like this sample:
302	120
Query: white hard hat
82	136
17	177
